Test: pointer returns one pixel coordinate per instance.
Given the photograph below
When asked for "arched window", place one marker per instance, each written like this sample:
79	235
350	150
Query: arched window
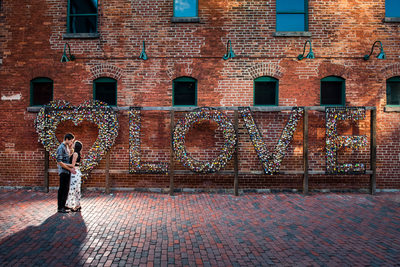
393	91
266	91
333	91
184	91
41	91
105	90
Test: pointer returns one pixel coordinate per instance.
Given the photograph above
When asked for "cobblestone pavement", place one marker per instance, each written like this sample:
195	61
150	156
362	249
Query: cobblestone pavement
146	229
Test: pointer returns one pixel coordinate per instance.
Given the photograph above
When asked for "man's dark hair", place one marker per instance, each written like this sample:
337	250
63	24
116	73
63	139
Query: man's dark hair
69	136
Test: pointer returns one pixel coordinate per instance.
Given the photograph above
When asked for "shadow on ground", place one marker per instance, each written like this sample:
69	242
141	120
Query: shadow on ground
57	241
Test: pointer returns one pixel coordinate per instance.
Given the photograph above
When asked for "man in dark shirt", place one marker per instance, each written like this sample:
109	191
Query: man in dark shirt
64	171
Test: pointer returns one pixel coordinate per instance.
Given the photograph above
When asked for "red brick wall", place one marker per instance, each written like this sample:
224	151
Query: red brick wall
31	44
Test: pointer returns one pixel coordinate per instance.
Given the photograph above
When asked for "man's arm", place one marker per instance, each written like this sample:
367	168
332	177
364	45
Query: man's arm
65	166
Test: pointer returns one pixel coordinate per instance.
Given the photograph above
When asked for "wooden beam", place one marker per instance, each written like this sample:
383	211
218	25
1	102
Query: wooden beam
235	156
108	180
46	171
305	151
373	153
171	161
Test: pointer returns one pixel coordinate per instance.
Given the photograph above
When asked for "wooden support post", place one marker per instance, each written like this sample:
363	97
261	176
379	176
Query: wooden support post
46	171
108	180
305	151
171	161
373	152
235	157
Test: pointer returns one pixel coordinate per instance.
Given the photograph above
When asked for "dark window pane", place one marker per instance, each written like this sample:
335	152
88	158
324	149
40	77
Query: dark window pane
106	92
185	8
265	93
83	24
394	97
42	93
290	22
290	6
83	6
185	93
331	93
392	8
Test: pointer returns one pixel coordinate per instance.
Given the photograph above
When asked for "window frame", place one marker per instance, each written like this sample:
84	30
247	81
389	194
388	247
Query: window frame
106	80
394	79
40	80
266	79
184	79
333	78
197	11
305	17
81	15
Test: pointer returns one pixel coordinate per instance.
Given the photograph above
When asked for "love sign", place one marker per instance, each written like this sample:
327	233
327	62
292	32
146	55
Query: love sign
106	119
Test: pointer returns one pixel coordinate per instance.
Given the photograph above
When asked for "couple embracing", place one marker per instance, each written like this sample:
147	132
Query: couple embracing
68	158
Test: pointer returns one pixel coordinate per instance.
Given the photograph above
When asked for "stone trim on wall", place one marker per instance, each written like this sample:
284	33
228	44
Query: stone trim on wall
265	69
105	70
391	71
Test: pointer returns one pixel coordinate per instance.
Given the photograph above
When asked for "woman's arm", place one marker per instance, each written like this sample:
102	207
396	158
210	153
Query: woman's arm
74	158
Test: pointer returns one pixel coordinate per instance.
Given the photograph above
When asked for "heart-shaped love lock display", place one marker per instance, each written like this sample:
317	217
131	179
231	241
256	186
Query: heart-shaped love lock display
99	113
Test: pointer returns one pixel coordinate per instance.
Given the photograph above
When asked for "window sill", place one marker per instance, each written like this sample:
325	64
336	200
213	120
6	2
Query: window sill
33	109
185	19
81	35
392	109
36	109
292	34
391	19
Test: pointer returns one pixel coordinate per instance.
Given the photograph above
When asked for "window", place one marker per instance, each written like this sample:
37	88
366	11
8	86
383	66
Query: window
41	91
392	8
332	91
393	91
266	91
105	90
184	92
291	15
185	8
82	16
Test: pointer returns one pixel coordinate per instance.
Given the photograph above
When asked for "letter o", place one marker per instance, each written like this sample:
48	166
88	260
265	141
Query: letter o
182	128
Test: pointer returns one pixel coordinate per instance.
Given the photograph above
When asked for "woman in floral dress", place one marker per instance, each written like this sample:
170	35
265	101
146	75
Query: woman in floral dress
74	194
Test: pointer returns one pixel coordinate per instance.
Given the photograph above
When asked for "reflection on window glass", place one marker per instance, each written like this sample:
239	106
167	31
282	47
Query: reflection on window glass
82	16
83	24
290	6
291	15
185	8
290	22
392	8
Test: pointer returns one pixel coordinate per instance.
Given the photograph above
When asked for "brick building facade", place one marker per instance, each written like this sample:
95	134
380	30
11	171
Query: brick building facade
32	39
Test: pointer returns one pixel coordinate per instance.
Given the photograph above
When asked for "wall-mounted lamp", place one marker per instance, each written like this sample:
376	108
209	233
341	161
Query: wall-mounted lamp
66	58
143	55
229	51
309	55
381	54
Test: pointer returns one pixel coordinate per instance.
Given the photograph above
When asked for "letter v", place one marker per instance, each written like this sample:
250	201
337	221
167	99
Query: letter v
271	162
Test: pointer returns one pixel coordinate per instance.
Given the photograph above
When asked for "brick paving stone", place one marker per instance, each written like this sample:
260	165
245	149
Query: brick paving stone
150	229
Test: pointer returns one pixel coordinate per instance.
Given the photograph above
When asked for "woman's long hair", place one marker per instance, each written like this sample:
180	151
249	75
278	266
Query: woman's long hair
77	148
